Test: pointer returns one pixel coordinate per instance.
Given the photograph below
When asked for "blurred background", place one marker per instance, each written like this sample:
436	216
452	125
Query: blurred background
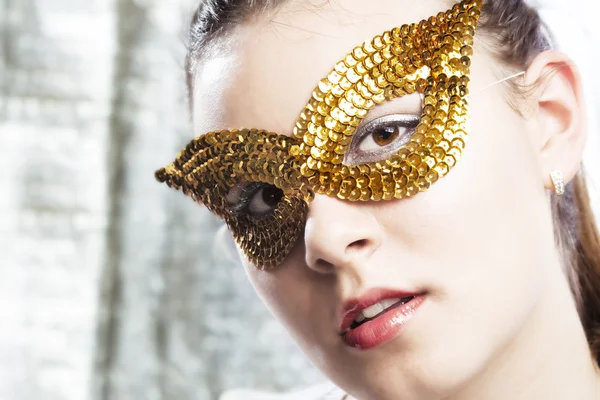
110	285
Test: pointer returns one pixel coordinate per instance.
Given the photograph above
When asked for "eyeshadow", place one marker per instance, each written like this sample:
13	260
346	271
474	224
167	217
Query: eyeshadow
354	156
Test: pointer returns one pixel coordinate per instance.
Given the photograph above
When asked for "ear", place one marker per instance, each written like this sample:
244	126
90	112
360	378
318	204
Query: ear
559	116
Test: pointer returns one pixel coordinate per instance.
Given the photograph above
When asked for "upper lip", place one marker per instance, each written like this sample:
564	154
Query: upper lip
352	307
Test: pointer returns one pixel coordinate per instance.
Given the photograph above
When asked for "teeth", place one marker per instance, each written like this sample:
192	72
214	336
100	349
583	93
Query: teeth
375	309
372	311
389	302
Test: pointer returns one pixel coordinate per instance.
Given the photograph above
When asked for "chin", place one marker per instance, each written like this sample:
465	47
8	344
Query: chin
406	376
426	362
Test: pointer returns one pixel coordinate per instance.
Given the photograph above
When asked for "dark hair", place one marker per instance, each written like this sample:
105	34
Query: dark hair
517	35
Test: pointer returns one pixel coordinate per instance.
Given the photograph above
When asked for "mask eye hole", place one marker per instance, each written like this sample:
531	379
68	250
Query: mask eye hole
264	200
381	138
254	199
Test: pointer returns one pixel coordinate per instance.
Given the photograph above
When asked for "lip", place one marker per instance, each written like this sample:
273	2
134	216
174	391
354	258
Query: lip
383	328
354	306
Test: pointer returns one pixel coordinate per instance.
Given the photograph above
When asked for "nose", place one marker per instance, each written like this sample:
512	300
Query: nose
340	234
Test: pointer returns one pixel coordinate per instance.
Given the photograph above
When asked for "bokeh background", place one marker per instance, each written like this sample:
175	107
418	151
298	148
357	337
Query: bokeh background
111	287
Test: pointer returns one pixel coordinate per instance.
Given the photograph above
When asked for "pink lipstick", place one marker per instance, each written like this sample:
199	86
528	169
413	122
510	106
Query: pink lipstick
377	317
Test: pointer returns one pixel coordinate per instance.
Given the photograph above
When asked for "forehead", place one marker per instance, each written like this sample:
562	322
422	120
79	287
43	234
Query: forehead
263	73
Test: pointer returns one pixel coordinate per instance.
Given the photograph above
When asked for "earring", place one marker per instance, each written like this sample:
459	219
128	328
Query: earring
558	181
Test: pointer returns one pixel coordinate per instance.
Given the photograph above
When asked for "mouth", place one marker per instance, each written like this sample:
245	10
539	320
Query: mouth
370	313
377	317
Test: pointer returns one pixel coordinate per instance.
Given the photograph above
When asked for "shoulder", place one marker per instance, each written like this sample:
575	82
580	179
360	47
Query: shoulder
326	391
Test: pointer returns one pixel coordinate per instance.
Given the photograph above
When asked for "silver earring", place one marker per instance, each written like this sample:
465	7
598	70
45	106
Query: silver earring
558	181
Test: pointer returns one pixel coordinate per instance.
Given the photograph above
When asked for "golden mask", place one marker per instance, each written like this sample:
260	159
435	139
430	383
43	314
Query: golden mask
431	58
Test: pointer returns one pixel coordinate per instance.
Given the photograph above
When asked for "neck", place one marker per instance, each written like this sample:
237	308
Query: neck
549	359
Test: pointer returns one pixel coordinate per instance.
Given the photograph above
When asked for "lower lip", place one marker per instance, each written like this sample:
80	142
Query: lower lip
383	328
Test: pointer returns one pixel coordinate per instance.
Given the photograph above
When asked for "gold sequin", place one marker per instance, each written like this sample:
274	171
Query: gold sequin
432	57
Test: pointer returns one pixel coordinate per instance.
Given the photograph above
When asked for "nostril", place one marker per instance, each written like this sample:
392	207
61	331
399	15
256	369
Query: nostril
357	245
322	265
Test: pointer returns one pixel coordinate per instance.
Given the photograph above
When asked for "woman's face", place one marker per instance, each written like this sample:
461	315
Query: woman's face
474	245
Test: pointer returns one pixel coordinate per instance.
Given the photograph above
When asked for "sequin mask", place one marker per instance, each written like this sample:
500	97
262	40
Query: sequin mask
431	58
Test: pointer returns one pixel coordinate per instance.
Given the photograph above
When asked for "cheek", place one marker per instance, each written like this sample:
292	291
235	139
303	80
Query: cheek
478	238
296	298
489	204
499	211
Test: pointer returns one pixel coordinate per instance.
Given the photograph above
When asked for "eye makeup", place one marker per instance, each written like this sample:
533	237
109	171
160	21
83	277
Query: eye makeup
250	197
403	124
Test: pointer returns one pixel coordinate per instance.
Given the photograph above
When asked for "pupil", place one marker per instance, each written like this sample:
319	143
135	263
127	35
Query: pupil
386	135
272	195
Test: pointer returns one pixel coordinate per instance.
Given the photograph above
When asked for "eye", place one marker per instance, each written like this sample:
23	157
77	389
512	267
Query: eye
265	200
256	199
385	135
381	138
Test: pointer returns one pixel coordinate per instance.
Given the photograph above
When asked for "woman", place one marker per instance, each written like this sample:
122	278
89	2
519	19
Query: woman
422	232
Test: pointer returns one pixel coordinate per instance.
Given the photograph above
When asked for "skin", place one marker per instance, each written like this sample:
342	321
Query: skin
499	313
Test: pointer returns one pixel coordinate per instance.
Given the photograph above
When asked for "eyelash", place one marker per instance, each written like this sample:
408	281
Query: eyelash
246	195
408	122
